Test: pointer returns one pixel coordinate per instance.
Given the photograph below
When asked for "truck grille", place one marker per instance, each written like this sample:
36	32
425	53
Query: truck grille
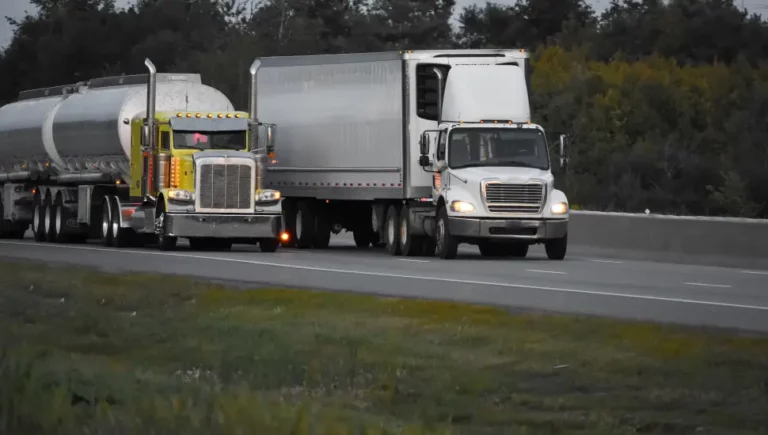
225	187
514	197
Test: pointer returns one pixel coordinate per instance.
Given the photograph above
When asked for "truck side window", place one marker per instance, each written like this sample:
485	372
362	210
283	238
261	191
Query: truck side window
165	140
442	140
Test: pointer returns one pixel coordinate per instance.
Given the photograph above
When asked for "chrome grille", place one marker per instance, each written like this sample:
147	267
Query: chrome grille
225	186
514	197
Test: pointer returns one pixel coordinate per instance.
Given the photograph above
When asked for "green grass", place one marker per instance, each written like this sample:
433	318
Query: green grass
87	352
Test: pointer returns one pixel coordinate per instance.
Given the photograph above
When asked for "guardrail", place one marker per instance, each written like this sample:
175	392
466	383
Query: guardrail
737	242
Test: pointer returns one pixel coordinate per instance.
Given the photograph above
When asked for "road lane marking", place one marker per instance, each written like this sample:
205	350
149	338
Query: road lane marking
755	272
383	274
412	260
545	271
607	261
704	284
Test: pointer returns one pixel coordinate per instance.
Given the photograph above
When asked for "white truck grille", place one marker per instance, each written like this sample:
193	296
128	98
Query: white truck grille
225	187
514	197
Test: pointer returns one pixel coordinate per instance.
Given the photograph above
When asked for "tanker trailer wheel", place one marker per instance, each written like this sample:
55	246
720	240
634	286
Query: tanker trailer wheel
38	222
50	224
164	242
107	236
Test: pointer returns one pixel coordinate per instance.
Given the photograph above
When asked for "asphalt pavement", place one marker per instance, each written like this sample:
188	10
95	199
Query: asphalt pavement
697	295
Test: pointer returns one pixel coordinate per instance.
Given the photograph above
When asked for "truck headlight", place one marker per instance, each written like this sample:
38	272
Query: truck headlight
559	208
462	207
181	195
268	196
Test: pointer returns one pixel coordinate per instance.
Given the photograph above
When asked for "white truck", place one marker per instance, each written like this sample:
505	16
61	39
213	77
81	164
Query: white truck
418	150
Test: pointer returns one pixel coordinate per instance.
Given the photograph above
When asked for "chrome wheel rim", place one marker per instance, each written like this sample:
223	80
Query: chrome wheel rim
391	230
59	218
298	224
105	220
36	219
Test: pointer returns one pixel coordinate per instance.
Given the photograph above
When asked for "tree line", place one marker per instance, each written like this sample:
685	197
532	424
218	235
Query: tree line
666	101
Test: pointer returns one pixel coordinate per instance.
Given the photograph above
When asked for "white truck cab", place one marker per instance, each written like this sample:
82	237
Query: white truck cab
493	184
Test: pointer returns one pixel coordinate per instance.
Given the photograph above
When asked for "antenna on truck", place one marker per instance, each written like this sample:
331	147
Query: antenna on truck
149	128
254	114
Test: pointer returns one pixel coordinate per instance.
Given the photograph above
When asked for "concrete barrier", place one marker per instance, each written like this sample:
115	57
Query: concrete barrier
720	241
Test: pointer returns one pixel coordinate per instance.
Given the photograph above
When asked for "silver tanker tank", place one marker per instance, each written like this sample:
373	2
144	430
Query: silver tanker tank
86	128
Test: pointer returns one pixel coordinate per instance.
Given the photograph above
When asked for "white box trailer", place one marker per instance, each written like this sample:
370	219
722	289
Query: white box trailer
350	155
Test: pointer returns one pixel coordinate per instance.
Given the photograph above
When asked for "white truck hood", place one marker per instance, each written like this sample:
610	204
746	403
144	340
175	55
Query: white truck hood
504	174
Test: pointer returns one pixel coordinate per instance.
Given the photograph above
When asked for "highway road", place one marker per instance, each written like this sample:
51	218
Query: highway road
676	293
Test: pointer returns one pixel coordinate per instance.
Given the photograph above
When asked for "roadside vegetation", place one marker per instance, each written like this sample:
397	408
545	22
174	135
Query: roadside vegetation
86	352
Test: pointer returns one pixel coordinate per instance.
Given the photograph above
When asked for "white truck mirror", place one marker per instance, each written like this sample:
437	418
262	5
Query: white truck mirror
424	144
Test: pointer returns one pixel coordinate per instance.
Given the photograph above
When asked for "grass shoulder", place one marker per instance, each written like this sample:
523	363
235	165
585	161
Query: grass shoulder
140	353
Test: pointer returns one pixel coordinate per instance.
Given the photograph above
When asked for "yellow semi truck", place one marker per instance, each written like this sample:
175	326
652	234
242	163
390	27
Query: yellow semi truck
134	160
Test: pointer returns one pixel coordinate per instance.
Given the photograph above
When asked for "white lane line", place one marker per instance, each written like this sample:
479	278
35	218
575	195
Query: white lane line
607	261
411	277
703	284
545	271
755	272
412	260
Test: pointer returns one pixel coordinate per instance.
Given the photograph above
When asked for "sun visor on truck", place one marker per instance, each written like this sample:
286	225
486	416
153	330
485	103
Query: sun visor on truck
477	92
205	124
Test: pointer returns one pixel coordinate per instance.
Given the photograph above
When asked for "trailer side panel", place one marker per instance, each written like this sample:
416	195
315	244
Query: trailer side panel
340	125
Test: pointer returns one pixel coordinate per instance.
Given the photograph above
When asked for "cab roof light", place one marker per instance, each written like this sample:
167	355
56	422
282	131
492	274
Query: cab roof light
198	115
179	115
221	115
237	115
229	115
210	115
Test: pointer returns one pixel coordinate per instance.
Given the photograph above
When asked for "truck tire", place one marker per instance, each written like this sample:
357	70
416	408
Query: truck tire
107	237
322	237
121	237
392	231
165	243
38	223
50	223
447	245
556	248
410	246
269	245
305	225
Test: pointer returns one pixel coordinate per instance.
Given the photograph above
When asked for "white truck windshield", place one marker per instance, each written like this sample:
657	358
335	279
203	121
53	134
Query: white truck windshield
209	140
497	147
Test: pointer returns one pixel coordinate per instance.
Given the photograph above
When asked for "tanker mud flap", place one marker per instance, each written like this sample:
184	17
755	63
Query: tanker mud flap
227	226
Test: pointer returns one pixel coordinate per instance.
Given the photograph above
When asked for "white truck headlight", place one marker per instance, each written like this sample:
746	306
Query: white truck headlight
268	196
181	195
462	207
559	208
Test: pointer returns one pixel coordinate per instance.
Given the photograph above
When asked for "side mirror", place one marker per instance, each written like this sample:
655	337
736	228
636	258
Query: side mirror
563	151
424	161
424	144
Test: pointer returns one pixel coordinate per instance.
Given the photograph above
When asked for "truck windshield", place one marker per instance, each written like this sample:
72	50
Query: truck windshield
209	140
497	147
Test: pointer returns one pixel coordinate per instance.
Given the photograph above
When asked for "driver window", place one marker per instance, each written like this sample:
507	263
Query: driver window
441	145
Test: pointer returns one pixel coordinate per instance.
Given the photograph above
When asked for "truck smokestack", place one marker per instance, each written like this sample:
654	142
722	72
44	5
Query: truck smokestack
254	88
151	96
439	75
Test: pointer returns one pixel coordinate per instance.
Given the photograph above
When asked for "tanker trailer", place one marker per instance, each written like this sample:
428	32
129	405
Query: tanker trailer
130	160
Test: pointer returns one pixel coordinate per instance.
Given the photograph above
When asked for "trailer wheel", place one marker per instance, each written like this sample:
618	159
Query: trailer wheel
556	248
409	245
305	225
269	245
50	223
447	245
322	235
393	230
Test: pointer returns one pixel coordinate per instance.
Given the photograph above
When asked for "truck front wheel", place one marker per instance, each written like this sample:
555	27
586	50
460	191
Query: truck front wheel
556	248
165	242
447	245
